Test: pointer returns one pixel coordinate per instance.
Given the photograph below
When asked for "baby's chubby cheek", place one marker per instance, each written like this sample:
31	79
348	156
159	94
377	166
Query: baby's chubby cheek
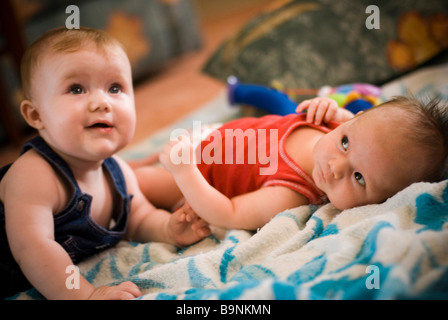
342	200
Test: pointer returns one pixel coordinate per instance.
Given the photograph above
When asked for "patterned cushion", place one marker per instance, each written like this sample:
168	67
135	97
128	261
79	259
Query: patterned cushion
311	43
153	31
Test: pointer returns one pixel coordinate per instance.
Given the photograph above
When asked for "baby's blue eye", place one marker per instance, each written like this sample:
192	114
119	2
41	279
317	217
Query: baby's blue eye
76	89
115	88
360	179
344	142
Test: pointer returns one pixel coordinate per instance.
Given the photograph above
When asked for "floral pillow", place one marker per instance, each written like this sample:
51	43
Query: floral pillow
152	31
309	44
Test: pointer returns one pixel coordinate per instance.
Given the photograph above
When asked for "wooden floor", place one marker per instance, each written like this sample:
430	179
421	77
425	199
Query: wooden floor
181	87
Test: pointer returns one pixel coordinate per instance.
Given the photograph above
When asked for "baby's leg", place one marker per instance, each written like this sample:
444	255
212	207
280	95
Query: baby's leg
159	187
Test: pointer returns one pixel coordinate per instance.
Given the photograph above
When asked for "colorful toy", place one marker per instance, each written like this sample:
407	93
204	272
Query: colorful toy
277	100
354	97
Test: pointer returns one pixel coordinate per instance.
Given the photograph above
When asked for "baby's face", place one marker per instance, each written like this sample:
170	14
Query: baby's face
85	100
366	160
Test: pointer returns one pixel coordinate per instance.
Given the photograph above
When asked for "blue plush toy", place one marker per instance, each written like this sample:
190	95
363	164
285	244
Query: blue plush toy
354	97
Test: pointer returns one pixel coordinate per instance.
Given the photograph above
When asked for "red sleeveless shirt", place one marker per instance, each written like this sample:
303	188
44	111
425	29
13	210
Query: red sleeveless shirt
247	154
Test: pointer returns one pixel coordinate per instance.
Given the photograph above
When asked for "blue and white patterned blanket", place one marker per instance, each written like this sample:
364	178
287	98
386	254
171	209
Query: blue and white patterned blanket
397	249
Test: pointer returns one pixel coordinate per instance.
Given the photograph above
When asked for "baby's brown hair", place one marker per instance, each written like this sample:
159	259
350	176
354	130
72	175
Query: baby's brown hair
61	40
427	126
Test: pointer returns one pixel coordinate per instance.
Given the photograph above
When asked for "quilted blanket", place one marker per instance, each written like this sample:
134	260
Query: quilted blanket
394	250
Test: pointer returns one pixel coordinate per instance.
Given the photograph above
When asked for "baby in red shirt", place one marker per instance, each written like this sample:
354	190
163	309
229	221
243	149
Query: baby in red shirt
366	159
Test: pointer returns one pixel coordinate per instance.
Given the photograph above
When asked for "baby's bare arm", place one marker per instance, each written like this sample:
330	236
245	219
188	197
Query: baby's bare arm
254	209
323	109
176	157
30	194
147	223
249	211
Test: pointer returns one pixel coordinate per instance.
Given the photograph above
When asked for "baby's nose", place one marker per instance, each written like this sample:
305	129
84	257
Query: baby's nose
99	102
338	168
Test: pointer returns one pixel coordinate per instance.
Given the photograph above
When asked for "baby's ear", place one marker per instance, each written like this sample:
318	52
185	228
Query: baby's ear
31	114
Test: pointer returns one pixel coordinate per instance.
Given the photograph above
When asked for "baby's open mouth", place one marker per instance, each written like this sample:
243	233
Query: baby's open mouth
100	125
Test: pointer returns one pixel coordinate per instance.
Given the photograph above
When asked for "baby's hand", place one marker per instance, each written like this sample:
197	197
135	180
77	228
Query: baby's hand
323	109
177	154
187	227
124	291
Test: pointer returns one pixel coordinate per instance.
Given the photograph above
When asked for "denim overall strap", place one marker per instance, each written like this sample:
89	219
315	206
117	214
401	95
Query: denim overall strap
120	183
52	157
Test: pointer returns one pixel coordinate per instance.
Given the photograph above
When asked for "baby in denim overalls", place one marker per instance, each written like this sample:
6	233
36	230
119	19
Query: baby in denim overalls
67	197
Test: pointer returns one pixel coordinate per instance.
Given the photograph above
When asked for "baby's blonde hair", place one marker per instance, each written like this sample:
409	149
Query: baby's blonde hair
60	40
